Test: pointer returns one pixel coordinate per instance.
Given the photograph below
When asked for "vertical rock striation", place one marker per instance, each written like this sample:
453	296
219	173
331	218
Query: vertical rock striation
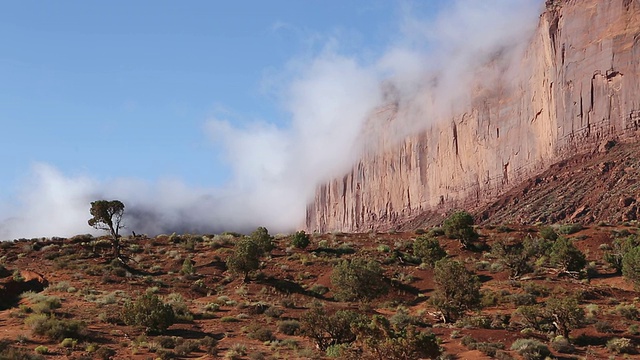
578	86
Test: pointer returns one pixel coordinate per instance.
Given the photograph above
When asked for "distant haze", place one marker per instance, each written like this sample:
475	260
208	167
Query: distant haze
276	168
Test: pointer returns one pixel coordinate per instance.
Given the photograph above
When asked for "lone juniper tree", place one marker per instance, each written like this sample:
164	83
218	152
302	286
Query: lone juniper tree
107	216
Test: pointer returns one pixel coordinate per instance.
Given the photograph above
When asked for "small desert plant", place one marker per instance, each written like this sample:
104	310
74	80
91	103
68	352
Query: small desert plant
56	329
300	240
548	233
568	229
289	327
187	267
604	327
531	349
630	311
259	332
41	349
69	343
562	345
319	289
149	312
621	346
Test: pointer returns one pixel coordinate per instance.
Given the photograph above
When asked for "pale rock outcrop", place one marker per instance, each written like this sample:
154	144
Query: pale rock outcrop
578	86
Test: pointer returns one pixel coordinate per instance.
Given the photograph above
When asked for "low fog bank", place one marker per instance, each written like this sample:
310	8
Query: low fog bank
429	70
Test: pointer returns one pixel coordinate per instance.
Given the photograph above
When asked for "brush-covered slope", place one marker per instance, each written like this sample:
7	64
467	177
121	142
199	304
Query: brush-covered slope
576	88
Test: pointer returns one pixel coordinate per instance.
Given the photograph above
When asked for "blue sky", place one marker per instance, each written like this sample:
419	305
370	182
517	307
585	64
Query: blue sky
209	115
123	88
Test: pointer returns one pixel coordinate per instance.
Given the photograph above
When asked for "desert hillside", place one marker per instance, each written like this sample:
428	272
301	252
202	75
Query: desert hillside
66	298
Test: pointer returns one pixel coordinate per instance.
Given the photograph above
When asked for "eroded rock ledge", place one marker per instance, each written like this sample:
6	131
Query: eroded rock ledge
578	87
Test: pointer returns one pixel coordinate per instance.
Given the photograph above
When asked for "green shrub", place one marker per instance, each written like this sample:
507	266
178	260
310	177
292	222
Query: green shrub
562	345
17	276
568	229
358	279
56	329
40	349
532	316
566	312
262	238
336	351
617	250
300	240
531	349
187	267
186	348
245	258
459	225
274	312
428	249
149	312
319	289
522	299
289	327
604	327
547	233
621	346
631	266
325	330
69	343
383	248
259	332
380	339
629	312
456	289
435	231
565	255
105	353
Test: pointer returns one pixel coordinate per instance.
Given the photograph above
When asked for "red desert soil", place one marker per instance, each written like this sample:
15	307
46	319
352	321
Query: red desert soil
93	291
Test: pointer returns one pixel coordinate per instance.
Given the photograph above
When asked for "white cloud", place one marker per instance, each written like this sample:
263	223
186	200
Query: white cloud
328	96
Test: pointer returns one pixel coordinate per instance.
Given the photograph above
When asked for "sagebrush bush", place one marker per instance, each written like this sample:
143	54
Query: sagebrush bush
603	326
149	312
568	229
548	233
621	346
562	345
289	327
259	332
531	349
56	329
629	311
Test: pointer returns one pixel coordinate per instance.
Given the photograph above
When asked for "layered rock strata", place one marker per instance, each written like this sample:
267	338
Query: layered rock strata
577	87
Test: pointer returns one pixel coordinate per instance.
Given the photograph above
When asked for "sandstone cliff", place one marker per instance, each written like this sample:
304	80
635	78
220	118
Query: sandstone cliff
578	86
